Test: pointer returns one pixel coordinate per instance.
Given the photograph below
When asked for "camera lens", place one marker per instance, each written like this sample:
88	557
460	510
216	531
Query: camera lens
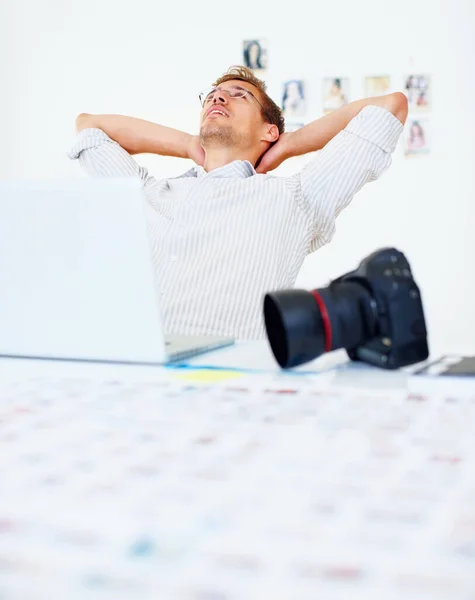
301	325
294	327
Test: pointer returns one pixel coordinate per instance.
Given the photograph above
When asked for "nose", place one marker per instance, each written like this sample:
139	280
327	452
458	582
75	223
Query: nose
219	96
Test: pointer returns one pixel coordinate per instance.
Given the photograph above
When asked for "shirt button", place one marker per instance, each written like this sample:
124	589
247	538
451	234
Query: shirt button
173	259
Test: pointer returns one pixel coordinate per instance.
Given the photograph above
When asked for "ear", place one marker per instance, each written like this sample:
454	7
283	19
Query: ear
270	133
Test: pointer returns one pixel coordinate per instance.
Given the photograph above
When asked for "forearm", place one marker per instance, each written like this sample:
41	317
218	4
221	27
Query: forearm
137	136
317	134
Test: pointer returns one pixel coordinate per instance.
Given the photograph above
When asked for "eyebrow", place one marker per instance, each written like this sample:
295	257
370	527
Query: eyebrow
239	87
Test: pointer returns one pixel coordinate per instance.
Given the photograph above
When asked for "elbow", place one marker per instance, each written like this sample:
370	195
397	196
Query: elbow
399	106
83	121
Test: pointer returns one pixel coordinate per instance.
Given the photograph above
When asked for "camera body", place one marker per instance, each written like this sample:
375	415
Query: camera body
399	336
375	312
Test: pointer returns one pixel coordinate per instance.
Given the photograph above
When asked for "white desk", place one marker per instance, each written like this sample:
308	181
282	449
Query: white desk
142	482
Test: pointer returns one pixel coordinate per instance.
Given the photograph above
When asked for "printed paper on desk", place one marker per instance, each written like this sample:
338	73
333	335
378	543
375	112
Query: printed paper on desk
179	489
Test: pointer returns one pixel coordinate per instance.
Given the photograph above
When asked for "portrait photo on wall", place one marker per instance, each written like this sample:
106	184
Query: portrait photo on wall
335	93
417	88
255	54
293	98
416	136
377	85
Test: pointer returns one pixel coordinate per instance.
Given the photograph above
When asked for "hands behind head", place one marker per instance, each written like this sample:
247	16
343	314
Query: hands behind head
276	154
269	161
195	150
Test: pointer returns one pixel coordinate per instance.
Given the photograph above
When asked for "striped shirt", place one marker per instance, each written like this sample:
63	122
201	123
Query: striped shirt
221	240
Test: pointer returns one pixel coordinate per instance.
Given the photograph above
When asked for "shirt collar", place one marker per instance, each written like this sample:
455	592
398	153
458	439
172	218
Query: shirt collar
237	168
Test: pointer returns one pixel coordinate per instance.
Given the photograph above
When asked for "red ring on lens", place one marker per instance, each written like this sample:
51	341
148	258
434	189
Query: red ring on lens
327	328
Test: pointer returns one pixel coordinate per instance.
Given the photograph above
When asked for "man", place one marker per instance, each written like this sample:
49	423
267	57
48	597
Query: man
226	232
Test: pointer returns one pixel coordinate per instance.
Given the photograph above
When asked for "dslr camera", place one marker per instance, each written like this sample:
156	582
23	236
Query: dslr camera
374	312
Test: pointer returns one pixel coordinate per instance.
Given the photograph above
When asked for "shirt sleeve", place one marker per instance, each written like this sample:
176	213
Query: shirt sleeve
100	156
358	154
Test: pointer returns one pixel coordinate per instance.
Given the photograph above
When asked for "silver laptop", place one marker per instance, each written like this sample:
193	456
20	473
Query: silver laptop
76	275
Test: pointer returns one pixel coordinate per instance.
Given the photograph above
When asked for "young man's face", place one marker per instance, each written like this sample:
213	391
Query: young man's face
232	121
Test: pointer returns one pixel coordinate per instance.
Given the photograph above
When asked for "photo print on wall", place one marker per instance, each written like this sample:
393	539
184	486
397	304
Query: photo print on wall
293	98
416	136
418	92
377	85
255	54
335	93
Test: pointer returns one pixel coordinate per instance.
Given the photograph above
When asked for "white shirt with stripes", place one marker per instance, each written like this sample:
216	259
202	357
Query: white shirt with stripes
221	240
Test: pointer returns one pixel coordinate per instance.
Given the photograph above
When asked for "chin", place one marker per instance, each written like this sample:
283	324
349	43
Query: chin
212	132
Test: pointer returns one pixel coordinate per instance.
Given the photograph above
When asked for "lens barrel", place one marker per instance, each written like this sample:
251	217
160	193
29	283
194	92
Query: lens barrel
294	327
301	325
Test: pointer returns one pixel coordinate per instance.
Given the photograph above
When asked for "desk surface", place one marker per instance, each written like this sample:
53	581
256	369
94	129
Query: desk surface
142	482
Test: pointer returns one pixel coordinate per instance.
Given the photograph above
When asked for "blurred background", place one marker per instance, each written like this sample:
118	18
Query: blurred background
151	59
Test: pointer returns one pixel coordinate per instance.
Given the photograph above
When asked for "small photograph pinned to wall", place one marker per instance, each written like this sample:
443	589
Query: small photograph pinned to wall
293	98
417	88
336	91
255	54
377	85
416	136
291	127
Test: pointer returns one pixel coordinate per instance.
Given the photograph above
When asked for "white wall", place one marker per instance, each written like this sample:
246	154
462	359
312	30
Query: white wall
150	59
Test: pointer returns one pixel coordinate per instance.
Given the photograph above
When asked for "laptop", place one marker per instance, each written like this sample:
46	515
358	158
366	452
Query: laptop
76	275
